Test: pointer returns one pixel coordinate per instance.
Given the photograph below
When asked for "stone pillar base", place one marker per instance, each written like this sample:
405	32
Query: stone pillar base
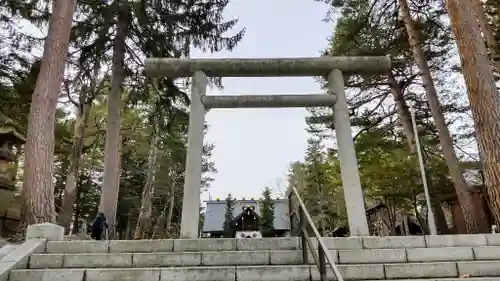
49	231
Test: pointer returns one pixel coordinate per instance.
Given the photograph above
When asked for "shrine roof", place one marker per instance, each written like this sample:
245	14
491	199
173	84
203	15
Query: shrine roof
216	210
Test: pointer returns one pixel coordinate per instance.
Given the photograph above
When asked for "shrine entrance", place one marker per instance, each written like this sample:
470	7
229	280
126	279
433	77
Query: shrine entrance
332	68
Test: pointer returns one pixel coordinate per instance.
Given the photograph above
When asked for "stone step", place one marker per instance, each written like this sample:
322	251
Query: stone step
177	245
285	243
268	273
449	279
6	249
163	259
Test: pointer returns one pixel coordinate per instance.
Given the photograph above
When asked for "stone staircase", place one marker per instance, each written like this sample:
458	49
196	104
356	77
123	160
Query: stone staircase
442	258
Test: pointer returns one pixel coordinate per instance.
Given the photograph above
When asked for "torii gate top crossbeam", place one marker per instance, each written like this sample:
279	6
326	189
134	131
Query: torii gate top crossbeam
272	67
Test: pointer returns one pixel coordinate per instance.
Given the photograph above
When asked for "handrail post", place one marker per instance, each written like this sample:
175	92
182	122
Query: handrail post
322	264
324	254
303	224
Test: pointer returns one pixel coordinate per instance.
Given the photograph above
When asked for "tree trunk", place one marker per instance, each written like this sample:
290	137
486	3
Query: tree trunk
445	140
66	213
402	110
111	184
168	209
439	218
77	223
83	105
483	95
147	193
487	32
159	222
38	191
171	205
126	234
405	117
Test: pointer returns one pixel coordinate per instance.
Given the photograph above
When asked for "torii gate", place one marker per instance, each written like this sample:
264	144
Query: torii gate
331	67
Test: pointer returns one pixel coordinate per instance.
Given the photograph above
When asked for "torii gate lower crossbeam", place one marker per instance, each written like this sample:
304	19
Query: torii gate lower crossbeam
333	68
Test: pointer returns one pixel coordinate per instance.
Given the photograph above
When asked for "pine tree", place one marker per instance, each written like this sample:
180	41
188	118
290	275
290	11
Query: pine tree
267	213
228	217
144	29
316	181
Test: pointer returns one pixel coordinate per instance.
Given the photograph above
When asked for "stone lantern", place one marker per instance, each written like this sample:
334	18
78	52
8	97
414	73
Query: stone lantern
9	137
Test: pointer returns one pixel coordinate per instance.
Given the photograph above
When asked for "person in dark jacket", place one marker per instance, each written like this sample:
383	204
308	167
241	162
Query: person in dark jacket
99	226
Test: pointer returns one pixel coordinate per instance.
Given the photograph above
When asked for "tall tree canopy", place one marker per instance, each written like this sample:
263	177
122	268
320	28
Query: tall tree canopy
418	37
120	137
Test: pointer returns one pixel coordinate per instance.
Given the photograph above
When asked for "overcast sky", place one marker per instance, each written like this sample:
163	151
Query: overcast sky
254	147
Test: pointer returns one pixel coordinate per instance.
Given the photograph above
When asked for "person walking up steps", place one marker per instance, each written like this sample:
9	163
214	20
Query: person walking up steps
99	226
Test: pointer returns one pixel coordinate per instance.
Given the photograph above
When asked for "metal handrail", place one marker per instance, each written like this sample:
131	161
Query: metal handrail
305	220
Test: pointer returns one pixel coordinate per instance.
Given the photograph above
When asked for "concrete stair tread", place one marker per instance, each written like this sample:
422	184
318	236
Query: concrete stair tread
6	249
448	279
283	250
282	257
283	243
405	264
276	272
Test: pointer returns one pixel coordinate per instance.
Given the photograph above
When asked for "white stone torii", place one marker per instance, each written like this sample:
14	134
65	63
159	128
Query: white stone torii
333	68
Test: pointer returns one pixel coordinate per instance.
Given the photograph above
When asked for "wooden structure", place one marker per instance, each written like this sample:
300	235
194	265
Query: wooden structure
216	210
480	199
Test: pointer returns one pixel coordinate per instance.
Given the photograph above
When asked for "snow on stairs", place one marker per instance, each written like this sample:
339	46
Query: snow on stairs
441	258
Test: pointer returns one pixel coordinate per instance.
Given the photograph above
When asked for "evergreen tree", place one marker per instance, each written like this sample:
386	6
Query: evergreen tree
316	181
367	27
228	217
267	213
